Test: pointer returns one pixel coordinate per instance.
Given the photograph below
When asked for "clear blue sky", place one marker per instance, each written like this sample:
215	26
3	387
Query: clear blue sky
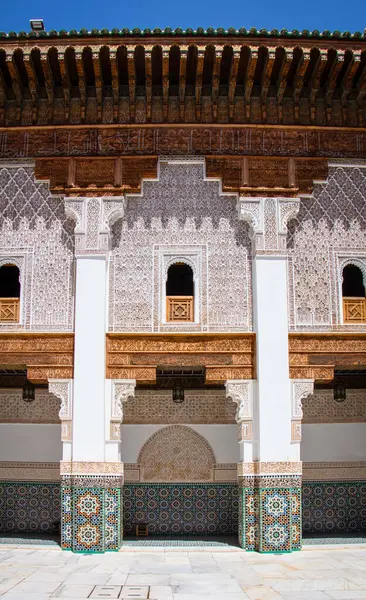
289	14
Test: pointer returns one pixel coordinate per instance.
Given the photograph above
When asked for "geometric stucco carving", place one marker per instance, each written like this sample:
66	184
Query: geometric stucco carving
241	392
301	389
268	219
176	454
62	389
122	390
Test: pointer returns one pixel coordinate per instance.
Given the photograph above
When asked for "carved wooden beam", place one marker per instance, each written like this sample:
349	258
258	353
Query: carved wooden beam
65	83
81	81
282	79
182	80
131	80
148	82
299	81
315	81
16	83
347	82
199	77
32	83
98	82
331	83
249	80
216	80
115	82
165	50
360	95
49	83
266	80
3	98
232	79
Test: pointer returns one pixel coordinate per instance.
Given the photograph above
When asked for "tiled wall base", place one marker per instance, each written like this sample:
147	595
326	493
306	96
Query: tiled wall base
181	509
334	506
270	517
29	507
91	515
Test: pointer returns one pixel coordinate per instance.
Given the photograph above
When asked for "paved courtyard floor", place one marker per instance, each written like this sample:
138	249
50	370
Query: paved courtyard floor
316	573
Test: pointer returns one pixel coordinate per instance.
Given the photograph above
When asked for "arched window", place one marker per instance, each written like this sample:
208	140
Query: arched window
180	293
9	294
353	292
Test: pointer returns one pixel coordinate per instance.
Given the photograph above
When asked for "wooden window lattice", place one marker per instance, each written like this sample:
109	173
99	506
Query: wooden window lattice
9	310
179	308
354	310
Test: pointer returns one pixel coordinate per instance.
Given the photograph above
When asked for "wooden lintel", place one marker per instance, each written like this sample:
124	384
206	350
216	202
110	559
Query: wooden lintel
349	76
16	83
315	81
249	80
165	81
299	81
131	80
49	84
32	84
266	79
332	79
65	84
81	83
98	83
182	80
148	83
282	78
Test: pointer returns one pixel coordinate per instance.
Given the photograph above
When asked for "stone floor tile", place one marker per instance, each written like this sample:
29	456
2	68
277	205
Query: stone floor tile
197	596
263	592
315	595
161	592
76	591
148	579
292	585
87	578
347	594
35	587
22	596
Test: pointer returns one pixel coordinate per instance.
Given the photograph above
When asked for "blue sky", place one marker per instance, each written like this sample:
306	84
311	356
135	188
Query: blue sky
288	14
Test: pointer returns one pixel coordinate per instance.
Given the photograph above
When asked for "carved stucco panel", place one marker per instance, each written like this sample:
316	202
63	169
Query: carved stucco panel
176	454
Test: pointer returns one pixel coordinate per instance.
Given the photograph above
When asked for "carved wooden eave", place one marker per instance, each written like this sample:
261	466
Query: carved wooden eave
137	356
44	355
257	79
317	355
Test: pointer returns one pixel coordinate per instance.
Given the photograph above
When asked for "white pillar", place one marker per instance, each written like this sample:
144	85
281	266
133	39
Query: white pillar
89	362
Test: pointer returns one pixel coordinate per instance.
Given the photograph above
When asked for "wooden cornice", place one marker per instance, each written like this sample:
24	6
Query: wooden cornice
282	80
148	82
182	80
349	76
81	82
98	83
315	81
216	80
65	85
165	78
232	79
16	83
32	83
131	81
249	79
49	84
332	79
199	75
266	79
3	97
115	82
299	80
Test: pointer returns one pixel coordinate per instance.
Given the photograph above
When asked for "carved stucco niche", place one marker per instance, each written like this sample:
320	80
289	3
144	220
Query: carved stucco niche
181	209
35	232
301	389
329	229
176	454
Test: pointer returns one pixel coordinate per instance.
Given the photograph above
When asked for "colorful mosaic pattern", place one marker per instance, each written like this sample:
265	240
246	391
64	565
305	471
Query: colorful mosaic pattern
91	519
181	509
334	506
29	507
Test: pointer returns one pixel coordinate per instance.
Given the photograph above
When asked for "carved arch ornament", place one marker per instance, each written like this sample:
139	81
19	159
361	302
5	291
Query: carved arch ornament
300	389
241	392
62	389
355	262
122	390
176	453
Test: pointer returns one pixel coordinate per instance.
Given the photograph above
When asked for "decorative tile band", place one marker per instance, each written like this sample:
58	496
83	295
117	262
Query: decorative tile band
181	509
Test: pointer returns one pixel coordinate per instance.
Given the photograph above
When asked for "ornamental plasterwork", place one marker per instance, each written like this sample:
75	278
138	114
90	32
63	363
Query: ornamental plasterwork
44	409
222	472
269	468
176	454
199	406
29	471
62	389
300	390
182	209
241	392
122	390
334	471
268	219
320	407
37	236
91	468
329	230
93	218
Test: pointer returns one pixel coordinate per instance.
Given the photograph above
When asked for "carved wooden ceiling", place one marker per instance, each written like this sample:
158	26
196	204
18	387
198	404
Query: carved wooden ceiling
321	82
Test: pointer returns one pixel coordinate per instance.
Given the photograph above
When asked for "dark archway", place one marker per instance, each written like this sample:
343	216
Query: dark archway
9	294
180	280
352	285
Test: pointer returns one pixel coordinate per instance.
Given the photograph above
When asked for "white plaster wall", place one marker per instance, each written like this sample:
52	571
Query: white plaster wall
222	439
28	442
333	442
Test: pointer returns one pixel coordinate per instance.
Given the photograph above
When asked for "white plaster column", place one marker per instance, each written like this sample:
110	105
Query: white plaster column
268	219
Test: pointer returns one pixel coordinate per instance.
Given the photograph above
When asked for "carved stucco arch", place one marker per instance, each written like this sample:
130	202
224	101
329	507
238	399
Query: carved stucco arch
176	260
355	262
176	453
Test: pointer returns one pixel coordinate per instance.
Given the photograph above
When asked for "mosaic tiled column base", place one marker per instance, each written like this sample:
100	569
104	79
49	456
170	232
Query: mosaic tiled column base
270	513
91	513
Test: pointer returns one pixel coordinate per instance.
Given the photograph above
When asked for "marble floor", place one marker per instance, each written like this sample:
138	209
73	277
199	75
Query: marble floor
163	573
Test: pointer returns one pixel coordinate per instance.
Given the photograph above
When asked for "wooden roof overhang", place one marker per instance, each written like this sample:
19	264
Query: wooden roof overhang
210	79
